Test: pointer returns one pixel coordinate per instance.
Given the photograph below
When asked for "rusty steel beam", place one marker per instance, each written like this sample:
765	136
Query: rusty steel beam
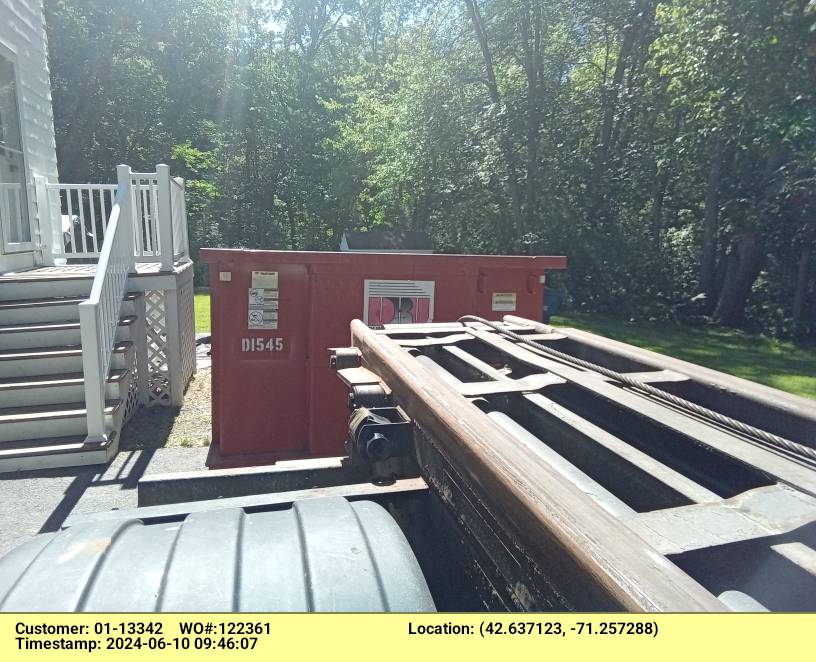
559	542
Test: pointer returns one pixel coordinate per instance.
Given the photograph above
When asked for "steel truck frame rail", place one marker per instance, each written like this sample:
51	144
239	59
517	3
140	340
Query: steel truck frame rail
576	491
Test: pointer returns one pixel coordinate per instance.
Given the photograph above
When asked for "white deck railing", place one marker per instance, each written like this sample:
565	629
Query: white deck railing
74	218
178	214
99	315
145	192
82	218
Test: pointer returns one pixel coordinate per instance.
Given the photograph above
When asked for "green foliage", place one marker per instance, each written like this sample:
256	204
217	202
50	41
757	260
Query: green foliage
667	148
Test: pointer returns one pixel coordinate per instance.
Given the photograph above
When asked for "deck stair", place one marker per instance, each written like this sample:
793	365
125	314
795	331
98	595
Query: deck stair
42	389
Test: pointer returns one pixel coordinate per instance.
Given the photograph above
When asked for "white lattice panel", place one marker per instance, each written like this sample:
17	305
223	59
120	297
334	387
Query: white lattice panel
132	399
187	330
161	370
157	364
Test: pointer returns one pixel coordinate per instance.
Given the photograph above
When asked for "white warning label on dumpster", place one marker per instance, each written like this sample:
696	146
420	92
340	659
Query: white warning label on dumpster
267	280
505	301
262	310
262	319
260	298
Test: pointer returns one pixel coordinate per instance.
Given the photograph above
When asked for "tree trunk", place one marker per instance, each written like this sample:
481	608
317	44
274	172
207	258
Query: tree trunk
711	224
600	165
290	213
532	70
743	265
662	182
495	98
747	251
634	88
610	96
802	280
658	197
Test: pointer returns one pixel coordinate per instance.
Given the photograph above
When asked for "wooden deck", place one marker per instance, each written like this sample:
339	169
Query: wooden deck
143	269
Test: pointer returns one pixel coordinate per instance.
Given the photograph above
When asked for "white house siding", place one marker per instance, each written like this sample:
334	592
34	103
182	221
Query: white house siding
22	32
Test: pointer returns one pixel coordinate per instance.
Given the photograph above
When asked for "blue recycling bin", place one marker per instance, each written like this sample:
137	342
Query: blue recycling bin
552	302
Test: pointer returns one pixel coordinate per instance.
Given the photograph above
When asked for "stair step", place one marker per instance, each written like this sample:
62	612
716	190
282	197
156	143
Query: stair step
65	379
51	446
14	287
52	412
63	386
75	272
38	303
60	351
53	452
45	334
24	277
54	301
55	359
43	416
127	320
51	308
48	420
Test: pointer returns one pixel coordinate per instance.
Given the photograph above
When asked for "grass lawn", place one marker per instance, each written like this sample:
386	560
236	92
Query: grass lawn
778	364
202	312
782	365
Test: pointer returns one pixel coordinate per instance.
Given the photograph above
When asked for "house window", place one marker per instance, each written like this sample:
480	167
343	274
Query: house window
14	223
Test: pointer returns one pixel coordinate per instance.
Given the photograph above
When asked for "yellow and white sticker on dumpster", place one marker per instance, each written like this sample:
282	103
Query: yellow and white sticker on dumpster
504	301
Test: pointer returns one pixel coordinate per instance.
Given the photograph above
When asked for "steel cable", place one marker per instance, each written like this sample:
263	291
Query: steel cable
705	412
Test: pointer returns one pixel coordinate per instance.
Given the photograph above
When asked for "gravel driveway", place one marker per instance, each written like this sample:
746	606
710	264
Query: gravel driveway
168	427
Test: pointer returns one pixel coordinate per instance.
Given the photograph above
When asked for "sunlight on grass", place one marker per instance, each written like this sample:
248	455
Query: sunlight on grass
764	360
202	312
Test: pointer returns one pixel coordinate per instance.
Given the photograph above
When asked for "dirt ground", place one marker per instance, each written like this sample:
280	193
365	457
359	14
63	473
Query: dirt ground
165	427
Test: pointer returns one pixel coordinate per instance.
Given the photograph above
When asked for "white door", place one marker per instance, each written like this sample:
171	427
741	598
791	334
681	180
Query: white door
15	223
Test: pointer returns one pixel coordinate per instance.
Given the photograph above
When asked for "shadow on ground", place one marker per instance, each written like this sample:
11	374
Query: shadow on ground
123	473
157	440
40	501
149	428
168	427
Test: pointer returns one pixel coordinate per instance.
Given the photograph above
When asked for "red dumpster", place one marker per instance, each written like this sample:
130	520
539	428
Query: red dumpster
275	314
